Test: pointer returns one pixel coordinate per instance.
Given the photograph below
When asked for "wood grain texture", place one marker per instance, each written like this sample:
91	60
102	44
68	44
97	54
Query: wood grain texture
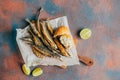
101	16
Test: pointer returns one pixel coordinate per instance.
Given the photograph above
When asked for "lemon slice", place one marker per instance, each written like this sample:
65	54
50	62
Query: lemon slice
25	69
85	33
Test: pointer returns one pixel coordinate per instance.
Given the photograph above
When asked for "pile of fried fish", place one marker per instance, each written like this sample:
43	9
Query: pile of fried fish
42	41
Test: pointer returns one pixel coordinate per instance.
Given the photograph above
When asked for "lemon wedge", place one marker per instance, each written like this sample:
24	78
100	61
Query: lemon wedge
37	72
25	69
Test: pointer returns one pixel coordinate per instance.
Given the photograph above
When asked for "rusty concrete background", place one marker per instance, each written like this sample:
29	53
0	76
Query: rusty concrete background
101	16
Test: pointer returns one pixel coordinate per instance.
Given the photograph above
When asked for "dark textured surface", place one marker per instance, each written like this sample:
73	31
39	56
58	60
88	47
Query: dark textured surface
101	16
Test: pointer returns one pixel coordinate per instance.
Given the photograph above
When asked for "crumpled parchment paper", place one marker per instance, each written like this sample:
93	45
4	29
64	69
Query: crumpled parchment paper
31	60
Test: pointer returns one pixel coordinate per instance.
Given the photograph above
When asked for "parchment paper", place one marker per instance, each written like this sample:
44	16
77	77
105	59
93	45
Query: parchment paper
31	60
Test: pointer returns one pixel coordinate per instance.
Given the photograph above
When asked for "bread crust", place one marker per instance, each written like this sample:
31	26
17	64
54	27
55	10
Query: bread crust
60	31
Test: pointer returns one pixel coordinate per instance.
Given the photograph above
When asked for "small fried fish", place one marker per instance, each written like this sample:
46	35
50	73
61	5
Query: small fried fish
28	40
43	51
37	53
35	38
38	20
47	36
33	27
49	28
61	48
47	52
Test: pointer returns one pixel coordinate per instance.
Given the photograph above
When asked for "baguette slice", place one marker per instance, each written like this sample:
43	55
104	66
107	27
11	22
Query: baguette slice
66	41
60	31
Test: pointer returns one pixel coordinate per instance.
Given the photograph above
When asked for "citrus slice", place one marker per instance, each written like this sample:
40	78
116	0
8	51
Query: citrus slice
37	72
85	33
25	69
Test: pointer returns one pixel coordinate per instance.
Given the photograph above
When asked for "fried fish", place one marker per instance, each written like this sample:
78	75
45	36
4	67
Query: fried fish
61	48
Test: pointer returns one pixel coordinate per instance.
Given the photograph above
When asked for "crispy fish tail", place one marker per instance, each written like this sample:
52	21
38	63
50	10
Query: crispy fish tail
27	40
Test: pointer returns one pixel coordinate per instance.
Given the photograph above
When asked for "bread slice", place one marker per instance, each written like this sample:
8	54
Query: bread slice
60	30
66	41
